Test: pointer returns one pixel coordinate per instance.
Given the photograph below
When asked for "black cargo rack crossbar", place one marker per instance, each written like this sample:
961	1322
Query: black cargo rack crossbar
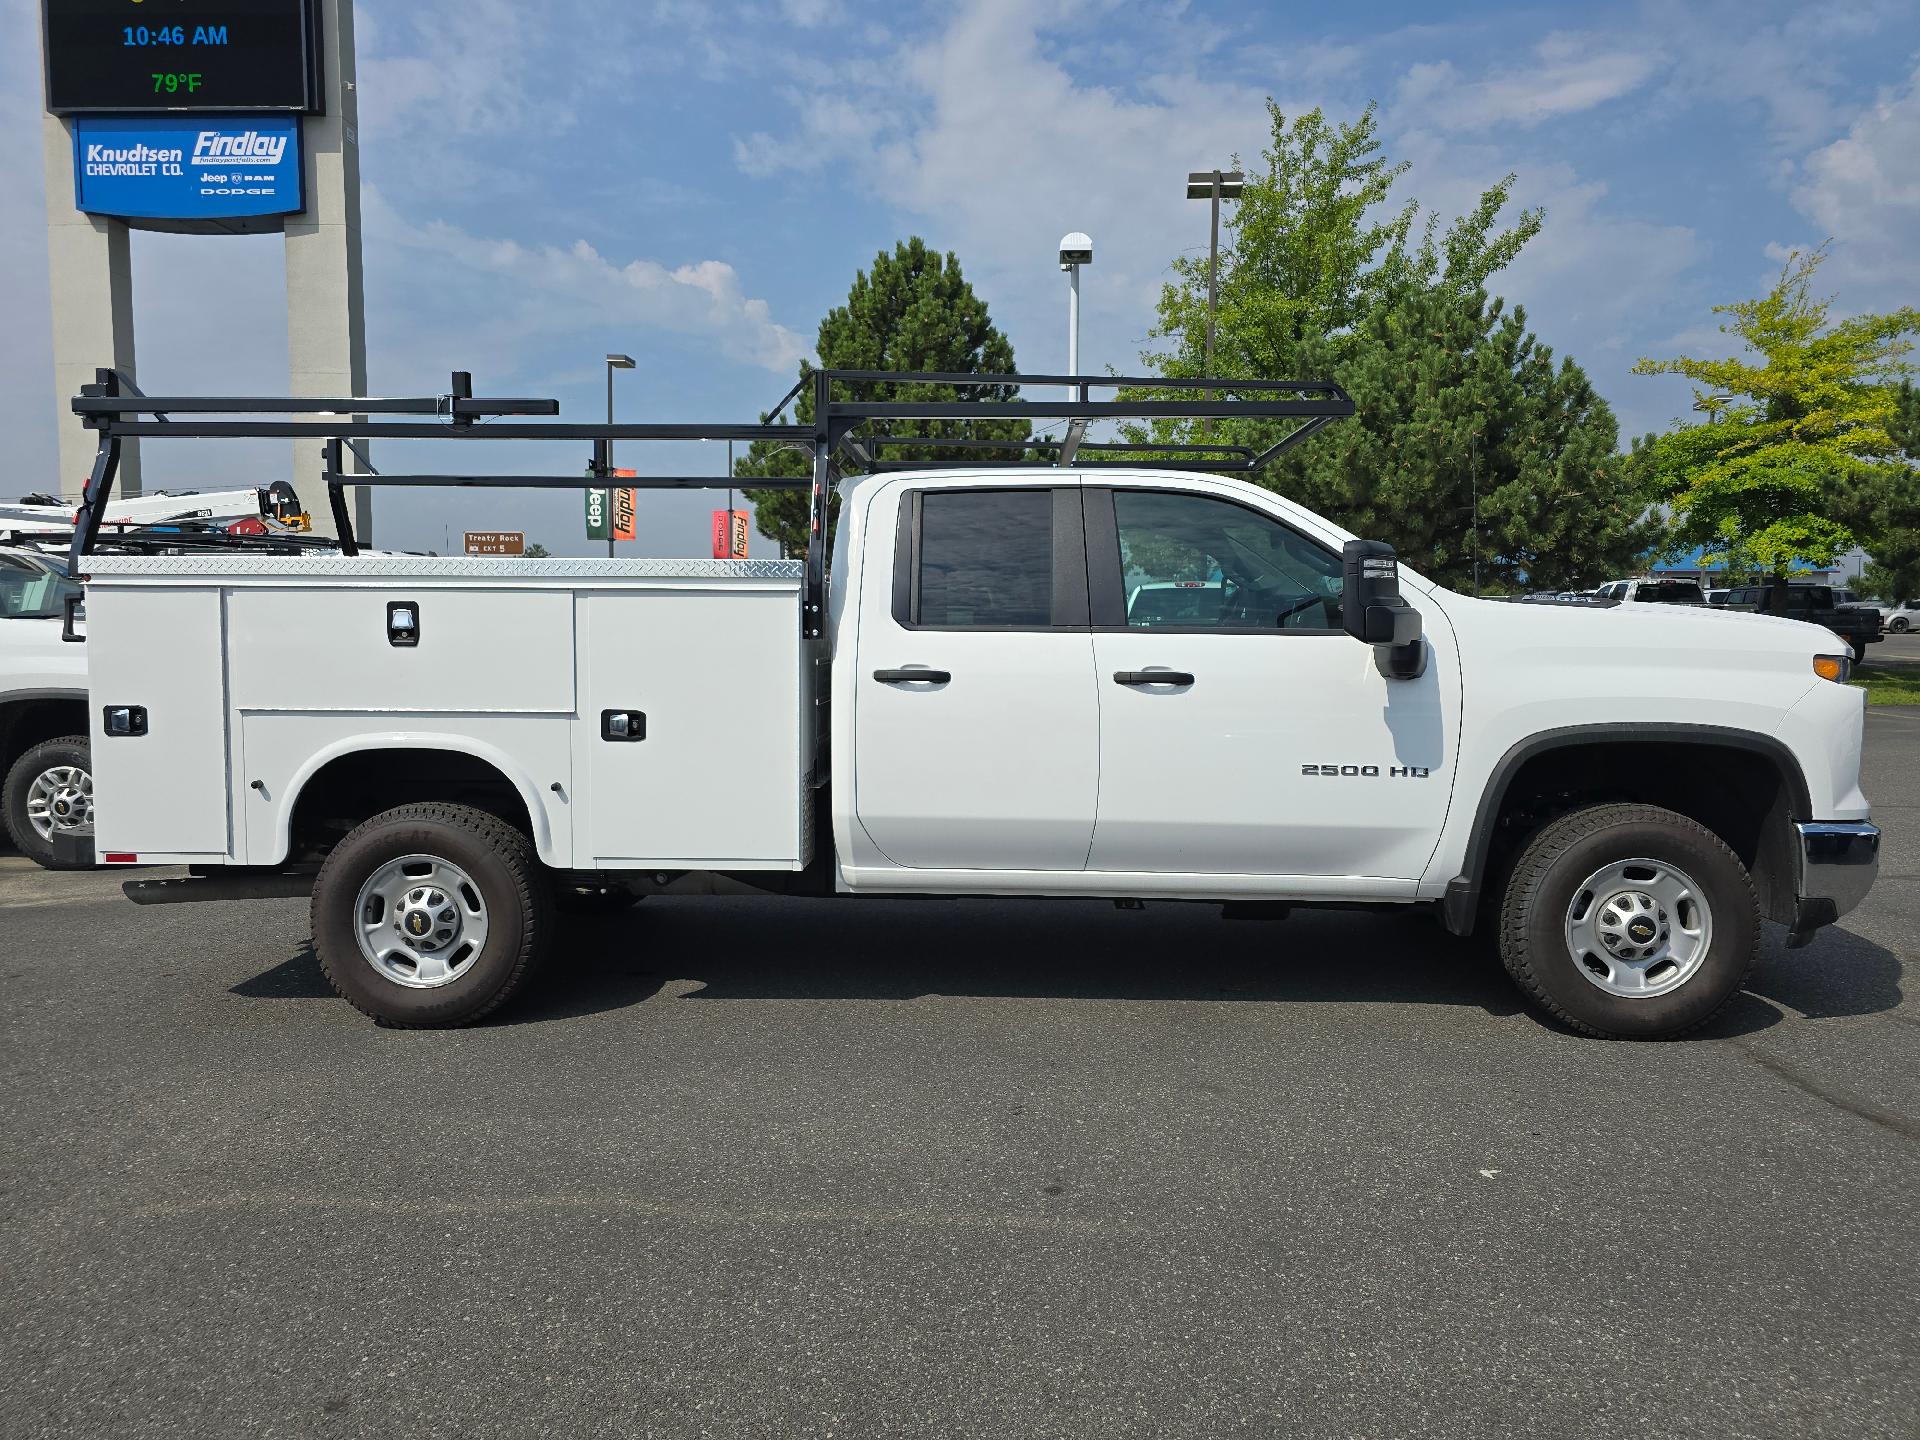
115	408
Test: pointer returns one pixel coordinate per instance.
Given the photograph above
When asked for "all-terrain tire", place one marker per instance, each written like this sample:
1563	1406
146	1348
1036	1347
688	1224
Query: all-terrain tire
1548	876
509	881
68	753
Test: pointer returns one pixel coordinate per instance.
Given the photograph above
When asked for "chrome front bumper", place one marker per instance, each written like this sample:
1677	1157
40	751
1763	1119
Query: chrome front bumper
1838	861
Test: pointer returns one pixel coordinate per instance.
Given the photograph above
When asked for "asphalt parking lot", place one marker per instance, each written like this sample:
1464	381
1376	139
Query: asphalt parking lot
768	1168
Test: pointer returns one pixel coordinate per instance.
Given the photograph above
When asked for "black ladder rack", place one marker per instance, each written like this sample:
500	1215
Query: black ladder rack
846	428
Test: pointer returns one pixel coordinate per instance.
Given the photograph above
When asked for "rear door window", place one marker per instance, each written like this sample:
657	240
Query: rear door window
984	559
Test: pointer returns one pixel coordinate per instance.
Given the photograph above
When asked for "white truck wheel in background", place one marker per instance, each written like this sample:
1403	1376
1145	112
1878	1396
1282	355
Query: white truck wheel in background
431	915
1629	922
48	788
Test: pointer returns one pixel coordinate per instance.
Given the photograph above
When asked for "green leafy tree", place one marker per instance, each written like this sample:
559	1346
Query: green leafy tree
536	551
913	310
1795	440
1310	251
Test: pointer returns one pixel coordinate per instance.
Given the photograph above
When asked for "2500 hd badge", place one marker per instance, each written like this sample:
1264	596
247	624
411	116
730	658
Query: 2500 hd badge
1368	772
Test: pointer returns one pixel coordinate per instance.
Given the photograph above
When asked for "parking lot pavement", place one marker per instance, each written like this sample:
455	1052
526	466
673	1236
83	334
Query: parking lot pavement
936	1168
1895	650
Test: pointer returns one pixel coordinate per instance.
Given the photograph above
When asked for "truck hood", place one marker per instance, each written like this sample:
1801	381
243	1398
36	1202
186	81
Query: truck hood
1658	627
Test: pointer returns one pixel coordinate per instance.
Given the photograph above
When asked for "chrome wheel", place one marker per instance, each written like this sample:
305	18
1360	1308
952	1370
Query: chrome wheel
60	798
1638	928
421	921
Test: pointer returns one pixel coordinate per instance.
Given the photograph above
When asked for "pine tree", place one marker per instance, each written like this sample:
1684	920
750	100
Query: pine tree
1309	253
1468	444
1454	398
913	310
1884	508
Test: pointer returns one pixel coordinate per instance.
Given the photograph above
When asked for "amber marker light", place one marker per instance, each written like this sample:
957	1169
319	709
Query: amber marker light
1832	667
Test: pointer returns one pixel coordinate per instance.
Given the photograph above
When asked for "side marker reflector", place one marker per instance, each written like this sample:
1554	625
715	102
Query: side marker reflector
119	857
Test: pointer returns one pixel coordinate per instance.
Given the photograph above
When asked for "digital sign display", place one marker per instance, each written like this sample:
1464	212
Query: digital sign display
157	55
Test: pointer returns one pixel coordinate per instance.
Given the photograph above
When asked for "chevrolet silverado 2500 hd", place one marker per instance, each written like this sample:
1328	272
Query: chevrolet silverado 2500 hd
1618	794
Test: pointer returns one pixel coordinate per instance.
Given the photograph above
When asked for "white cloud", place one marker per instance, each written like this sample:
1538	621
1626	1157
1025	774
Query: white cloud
499	290
1864	191
1567	74
982	138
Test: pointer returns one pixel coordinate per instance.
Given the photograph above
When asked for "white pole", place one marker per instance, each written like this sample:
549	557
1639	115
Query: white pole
1073	326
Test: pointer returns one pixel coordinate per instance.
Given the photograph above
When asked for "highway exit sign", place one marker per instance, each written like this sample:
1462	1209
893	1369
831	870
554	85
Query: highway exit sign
496	542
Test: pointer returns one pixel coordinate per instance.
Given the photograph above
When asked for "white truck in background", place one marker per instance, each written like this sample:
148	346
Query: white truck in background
46	784
1618	794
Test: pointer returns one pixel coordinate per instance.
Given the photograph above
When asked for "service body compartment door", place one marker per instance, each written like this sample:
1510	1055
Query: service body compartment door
992	762
159	648
331	647
692	743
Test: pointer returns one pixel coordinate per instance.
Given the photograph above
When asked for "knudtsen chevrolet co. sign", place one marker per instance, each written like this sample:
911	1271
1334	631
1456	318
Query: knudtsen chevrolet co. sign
188	167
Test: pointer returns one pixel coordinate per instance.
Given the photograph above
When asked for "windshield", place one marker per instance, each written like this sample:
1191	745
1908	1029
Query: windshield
1183	600
30	591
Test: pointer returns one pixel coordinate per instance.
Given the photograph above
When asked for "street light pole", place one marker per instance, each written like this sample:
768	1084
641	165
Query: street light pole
614	362
1213	186
1076	250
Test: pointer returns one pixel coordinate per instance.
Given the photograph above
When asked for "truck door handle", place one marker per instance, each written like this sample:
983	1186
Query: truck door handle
1152	677
912	677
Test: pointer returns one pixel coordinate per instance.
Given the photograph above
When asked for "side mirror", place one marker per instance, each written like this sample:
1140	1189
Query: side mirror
1373	612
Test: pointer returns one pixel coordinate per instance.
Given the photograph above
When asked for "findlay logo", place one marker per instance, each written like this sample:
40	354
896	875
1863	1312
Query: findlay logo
249	147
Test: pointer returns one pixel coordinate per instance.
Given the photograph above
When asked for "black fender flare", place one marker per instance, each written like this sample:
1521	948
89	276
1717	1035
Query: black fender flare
1462	899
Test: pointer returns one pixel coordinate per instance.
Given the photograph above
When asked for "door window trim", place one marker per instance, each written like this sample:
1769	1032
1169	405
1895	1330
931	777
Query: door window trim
1107	581
1068	607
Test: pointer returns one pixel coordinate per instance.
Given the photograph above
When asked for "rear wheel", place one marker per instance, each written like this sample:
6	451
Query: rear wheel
48	790
1899	626
431	915
1629	922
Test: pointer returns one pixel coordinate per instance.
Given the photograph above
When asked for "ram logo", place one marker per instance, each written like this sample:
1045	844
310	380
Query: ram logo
1368	772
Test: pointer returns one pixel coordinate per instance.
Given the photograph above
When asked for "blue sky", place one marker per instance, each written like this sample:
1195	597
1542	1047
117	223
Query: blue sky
694	182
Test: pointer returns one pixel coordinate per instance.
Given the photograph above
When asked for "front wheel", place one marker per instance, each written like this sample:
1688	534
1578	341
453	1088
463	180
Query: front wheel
49	790
430	915
1629	922
1898	627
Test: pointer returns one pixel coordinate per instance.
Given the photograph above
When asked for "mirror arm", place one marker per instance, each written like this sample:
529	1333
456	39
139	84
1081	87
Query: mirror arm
1401	662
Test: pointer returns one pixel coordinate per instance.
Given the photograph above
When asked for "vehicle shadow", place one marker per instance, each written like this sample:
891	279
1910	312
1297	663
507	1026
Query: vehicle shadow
907	949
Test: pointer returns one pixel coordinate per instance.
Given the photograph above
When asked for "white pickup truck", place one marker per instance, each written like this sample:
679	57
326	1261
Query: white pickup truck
45	784
1618	794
